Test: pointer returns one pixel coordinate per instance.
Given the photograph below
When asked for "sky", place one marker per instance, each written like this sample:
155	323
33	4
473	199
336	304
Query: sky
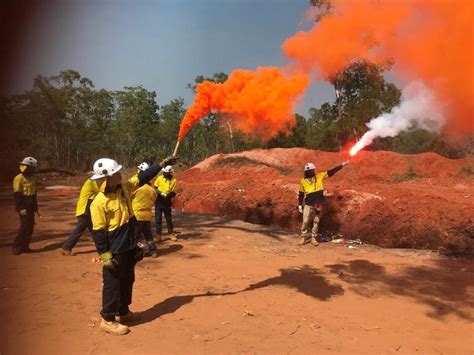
160	44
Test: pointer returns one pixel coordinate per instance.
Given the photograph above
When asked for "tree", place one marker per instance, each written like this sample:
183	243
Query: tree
363	94
134	129
216	78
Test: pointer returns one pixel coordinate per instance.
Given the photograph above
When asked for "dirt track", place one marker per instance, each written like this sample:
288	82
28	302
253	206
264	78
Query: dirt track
232	287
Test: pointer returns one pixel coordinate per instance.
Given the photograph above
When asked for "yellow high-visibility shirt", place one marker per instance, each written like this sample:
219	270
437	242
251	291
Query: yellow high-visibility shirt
88	191
24	184
109	211
314	184
142	202
166	186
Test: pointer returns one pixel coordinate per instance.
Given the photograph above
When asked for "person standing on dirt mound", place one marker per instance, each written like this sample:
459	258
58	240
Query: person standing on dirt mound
166	187
114	233
26	204
143	200
89	190
312	193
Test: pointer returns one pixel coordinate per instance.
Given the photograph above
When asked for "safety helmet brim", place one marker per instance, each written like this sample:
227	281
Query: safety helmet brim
100	176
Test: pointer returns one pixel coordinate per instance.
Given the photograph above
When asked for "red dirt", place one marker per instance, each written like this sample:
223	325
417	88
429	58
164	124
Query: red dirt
384	198
228	286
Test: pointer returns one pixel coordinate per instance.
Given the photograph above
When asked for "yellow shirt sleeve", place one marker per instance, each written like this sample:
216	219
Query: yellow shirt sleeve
301	186
323	175
18	184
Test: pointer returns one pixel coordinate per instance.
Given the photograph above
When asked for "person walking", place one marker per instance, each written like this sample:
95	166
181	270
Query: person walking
89	189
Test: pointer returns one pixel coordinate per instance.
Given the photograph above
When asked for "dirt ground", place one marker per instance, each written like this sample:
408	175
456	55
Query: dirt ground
232	287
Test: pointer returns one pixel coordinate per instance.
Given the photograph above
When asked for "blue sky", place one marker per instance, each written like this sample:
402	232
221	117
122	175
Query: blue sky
162	44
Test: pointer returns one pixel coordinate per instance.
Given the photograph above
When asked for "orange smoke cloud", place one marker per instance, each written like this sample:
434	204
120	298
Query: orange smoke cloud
429	40
260	101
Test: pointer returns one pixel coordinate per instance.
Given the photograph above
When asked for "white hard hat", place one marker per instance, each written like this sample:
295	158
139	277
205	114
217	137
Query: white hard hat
143	166
309	166
29	161
105	167
168	169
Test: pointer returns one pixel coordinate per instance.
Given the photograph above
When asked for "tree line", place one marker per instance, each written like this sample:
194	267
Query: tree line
67	123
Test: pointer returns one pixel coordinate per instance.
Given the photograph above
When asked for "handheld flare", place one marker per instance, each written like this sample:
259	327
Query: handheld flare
176	148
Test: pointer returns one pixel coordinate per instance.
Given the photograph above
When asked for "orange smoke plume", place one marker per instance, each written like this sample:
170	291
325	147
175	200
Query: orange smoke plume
429	40
260	101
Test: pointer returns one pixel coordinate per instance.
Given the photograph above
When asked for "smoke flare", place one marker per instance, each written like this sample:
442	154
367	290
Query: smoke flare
260	101
418	109
428	40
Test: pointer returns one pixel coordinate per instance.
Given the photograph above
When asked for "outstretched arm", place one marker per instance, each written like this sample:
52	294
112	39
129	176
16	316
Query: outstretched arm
334	170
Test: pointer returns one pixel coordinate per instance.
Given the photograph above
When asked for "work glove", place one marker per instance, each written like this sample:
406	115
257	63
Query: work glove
171	160
108	260
23	212
300	209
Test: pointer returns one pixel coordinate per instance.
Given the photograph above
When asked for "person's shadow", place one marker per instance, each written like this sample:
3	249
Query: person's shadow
171	305
304	279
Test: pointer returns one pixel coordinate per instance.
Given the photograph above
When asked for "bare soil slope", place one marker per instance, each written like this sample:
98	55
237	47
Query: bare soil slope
384	198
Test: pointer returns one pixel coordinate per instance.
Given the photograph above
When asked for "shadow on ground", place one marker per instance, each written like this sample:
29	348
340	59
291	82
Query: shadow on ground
304	279
439	288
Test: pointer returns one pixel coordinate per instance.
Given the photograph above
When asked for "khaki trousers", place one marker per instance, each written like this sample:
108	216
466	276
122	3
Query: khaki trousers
310	216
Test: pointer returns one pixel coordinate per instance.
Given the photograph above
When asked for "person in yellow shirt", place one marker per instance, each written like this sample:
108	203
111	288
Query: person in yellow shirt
312	194
88	192
166	187
143	199
26	204
114	235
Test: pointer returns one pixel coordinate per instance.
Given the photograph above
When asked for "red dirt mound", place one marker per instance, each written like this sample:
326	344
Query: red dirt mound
384	198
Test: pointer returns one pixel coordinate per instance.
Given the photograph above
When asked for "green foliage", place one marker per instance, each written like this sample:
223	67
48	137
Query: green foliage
67	123
216	78
295	138
363	95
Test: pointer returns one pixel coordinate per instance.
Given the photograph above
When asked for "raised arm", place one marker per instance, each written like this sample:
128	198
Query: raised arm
334	170
144	177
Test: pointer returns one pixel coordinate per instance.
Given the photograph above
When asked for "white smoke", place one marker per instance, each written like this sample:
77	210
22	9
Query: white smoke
418	109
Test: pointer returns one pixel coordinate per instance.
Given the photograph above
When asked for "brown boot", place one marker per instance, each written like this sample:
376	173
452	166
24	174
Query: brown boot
113	327
314	242
130	317
303	241
173	237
